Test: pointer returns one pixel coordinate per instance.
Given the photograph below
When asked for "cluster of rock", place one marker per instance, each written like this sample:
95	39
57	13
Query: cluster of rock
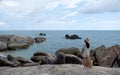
15	61
74	36
41	58
61	58
13	42
101	56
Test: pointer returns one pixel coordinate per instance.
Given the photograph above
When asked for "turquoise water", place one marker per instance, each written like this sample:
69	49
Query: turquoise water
56	40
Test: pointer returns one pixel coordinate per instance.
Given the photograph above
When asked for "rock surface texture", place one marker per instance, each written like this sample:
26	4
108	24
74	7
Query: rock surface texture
69	69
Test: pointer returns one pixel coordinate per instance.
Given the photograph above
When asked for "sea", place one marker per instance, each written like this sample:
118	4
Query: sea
56	40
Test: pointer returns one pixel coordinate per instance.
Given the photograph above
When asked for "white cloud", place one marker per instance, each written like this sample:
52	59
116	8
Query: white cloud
2	23
8	3
99	6
70	3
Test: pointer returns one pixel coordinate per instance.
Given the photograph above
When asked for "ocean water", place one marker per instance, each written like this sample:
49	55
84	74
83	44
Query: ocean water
56	40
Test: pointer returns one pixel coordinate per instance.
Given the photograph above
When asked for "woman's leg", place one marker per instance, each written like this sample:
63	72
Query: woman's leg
87	62
85	65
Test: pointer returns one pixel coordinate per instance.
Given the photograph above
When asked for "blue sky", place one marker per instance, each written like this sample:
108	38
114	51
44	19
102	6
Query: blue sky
59	14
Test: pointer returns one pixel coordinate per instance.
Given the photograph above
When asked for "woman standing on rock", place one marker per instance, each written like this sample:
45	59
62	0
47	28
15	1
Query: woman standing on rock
86	52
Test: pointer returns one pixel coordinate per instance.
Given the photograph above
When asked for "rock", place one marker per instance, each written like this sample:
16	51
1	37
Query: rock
39	39
60	58
74	36
3	46
67	36
67	59
14	46
6	62
45	58
93	57
22	60
106	56
42	34
30	64
72	59
40	54
14	62
66	69
73	50
15	42
38	59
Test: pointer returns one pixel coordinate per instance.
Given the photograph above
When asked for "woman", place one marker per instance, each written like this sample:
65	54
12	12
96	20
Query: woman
86	52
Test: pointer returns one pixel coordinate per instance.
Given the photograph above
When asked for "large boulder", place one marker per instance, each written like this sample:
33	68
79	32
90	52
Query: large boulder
106	56
73	50
39	39
67	59
72	59
60	58
15	42
45	58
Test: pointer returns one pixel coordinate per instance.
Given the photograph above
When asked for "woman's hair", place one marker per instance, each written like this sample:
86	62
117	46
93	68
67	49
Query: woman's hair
87	44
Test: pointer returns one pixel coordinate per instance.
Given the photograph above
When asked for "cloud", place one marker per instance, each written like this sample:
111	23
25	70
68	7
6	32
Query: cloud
8	3
2	23
100	6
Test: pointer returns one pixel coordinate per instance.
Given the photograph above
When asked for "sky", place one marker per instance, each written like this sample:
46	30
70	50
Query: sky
59	14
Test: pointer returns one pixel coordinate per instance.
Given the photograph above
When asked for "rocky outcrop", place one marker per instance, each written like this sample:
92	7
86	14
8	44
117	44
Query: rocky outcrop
15	61
45	58
74	36
13	42
69	69
73	50
107	57
39	39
